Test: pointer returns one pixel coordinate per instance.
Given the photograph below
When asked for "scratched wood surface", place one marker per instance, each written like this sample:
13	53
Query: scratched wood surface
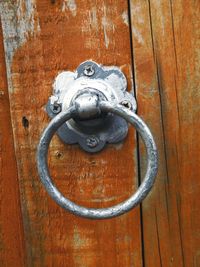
41	39
11	228
161	40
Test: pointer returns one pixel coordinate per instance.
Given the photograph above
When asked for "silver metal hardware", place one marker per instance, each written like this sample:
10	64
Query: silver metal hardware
89	70
55	107
92	141
136	198
99	83
91	111
127	104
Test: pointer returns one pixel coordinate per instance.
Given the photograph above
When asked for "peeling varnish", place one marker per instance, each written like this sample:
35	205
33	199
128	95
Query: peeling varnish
118	146
91	21
137	35
93	18
19	22
81	241
78	240
105	25
90	26
140	20
125	17
69	5
132	91
135	10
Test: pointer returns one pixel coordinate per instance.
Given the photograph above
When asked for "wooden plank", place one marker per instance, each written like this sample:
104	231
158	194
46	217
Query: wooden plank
165	37
11	229
41	40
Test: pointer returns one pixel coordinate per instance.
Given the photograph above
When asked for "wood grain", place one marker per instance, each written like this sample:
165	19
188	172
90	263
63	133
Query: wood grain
165	38
12	249
43	38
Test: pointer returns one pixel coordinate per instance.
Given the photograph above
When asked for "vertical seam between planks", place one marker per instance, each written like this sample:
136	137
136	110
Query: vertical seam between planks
177	106
161	115
158	239
137	135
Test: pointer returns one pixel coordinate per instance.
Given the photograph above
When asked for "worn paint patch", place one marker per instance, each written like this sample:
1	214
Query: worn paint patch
135	10
138	35
69	5
125	17
79	242
136	30
90	25
105	25
19	22
93	18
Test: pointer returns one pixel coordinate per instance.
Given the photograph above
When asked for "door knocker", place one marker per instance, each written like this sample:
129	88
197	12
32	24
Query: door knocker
91	107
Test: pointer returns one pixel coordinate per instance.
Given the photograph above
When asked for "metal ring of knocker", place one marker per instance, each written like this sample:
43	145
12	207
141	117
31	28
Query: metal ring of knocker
136	198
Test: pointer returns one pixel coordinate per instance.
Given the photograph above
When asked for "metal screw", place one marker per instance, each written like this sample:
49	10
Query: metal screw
89	70
56	108
126	104
92	141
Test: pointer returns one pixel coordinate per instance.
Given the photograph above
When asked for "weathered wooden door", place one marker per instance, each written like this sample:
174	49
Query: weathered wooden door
157	45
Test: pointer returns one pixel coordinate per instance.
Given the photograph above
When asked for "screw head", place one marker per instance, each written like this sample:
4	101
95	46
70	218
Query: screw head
55	108
126	104
92	141
55	105
89	70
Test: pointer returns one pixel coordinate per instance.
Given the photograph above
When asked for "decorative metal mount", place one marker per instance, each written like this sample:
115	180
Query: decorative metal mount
91	132
95	109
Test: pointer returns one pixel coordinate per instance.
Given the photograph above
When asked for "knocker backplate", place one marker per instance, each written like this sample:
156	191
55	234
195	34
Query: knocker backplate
108	83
